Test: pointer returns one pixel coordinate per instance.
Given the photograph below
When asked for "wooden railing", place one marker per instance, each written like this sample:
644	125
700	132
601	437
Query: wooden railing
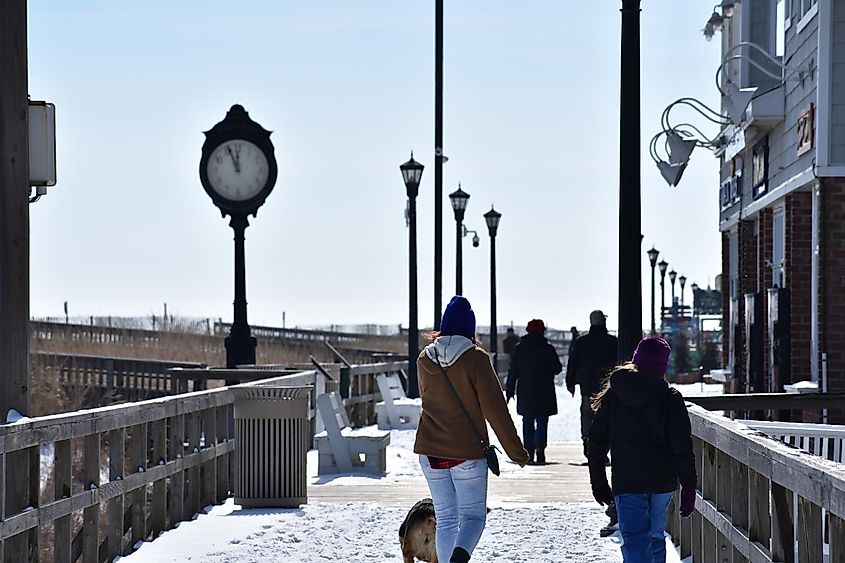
91	484
822	440
105	380
749	487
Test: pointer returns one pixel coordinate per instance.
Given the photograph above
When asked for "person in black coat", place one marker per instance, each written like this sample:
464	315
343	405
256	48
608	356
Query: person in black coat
645	425
531	378
591	358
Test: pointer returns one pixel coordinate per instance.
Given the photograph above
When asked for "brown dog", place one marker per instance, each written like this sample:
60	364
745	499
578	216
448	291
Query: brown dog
417	532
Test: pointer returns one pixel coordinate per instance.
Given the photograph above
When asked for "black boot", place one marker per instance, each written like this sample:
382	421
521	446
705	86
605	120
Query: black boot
613	525
541	454
460	555
530	457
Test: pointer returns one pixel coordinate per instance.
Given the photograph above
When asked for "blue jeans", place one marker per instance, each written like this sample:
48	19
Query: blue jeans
531	436
460	504
642	520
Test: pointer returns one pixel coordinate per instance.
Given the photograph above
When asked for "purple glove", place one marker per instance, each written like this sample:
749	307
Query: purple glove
687	500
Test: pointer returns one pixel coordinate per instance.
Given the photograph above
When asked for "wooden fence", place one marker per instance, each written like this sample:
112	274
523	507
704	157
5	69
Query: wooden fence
102	380
91	484
759	500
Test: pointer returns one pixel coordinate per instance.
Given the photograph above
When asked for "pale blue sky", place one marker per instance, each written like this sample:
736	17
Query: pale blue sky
530	124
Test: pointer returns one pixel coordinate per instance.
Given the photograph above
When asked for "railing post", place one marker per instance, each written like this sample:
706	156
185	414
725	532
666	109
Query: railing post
222	462
138	463
159	500
176	509
836	533
759	517
809	531
209	468
192	429
62	479
783	536
117	459
709	493
91	515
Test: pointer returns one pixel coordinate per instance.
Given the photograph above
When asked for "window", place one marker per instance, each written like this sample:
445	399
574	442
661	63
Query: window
780	30
778	247
806	9
806	6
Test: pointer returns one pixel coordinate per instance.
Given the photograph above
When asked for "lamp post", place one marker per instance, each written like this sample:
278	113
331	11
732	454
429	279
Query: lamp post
411	174
662	265
683	280
439	159
459	199
492	218
630	271
672	276
652	258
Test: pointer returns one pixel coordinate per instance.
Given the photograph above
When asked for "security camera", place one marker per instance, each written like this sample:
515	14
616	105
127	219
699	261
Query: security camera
475	241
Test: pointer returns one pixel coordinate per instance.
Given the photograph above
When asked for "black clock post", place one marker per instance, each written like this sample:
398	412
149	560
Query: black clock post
238	171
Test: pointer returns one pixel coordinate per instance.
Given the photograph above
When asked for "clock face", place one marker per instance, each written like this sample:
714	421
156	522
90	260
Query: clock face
237	170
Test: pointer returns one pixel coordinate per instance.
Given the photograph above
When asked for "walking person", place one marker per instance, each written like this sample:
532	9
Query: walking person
510	340
591	358
531	378
645	425
455	371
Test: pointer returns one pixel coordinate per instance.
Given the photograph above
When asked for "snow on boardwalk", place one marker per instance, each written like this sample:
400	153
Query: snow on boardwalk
359	532
539	514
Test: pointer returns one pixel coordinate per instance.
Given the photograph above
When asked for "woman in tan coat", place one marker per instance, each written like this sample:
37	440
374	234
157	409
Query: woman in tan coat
451	455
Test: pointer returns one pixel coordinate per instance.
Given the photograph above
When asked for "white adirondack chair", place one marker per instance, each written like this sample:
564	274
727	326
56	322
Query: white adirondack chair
396	411
344	450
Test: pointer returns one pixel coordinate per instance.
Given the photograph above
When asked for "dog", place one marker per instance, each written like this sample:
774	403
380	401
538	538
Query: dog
417	533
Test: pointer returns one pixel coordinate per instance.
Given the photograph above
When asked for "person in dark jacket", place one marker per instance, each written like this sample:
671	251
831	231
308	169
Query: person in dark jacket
591	358
645	425
531	378
510	341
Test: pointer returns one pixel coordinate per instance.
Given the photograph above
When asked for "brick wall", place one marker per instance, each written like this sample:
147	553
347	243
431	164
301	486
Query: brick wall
726	299
747	284
764	278
831	293
798	257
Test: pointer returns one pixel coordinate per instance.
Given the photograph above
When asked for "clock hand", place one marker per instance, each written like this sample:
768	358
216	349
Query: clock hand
235	161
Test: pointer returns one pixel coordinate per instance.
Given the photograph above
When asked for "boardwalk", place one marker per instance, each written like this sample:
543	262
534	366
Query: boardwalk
563	480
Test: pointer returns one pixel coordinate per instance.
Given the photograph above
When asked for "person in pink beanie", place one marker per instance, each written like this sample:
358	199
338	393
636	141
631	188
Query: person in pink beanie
645	425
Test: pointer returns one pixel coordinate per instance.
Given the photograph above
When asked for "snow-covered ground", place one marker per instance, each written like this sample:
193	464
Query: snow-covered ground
367	532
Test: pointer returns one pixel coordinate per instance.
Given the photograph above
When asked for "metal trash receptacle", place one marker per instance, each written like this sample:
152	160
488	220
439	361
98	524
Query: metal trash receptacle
272	438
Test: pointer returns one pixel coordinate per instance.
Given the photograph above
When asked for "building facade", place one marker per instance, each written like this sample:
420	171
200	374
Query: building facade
782	195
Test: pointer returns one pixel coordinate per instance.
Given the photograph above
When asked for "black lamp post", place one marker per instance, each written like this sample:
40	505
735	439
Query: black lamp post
630	270
662	265
672	275
459	199
411	174
683	280
492	218
652	258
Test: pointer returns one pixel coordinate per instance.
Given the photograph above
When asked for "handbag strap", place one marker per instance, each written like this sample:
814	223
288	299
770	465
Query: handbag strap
460	402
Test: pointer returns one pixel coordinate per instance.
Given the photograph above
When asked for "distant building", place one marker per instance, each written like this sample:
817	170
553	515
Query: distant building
782	196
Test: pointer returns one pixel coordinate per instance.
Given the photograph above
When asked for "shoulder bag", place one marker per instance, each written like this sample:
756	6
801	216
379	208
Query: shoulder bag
489	449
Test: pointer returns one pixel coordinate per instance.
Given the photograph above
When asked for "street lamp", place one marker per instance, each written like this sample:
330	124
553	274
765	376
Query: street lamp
492	218
652	258
662	265
630	286
683	280
411	174
459	199
672	275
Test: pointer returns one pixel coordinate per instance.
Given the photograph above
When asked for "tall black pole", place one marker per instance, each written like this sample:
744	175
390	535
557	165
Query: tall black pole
662	296
459	258
14	214
653	325
630	276
413	336
494	336
438	162
240	345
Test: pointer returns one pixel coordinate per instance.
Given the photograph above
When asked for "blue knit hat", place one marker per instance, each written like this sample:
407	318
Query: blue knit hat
458	318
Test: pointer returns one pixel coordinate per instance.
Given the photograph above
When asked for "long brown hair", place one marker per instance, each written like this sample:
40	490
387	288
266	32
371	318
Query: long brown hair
435	334
605	387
